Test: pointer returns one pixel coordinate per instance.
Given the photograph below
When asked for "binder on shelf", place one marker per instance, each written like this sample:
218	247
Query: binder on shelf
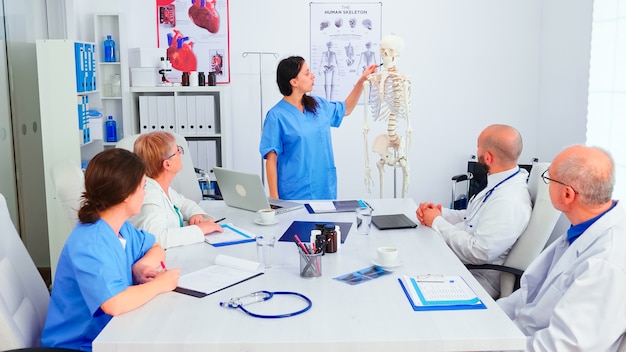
212	154
93	67
87	65
191	116
144	111
205	114
89	68
170	115
161	114
439	292
79	53
182	115
153	113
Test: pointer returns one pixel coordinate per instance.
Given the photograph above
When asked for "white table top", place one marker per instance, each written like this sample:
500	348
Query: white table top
371	316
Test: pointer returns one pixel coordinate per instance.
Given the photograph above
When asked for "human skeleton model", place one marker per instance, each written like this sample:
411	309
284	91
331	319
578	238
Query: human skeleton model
328	67
390	101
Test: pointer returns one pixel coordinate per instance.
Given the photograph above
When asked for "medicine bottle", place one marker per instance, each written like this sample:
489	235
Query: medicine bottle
109	49
212	80
331	238
185	79
201	79
111	129
116	86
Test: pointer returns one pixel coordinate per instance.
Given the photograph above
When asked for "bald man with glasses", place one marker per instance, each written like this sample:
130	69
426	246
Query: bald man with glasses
572	296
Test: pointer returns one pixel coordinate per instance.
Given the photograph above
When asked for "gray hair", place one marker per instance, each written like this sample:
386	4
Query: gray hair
593	178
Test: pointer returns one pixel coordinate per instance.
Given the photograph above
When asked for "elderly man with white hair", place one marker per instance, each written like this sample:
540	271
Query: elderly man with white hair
572	295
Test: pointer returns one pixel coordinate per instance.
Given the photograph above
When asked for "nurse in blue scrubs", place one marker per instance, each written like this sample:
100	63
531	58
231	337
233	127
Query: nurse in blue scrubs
106	267
296	141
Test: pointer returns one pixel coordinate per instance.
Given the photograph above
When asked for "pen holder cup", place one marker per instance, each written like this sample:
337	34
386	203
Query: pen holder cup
310	264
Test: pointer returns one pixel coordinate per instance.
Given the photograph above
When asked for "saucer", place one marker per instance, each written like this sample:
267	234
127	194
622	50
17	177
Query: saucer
387	266
257	221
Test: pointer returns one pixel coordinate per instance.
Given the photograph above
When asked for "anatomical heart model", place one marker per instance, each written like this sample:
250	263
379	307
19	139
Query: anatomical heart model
204	15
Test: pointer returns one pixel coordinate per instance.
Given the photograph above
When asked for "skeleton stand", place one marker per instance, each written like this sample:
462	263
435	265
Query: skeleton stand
260	54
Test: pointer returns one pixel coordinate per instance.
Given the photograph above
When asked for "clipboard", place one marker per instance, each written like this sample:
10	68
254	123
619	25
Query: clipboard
453	293
226	272
231	235
334	206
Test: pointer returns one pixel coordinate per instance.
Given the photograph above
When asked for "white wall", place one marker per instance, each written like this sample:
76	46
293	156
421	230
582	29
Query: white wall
518	62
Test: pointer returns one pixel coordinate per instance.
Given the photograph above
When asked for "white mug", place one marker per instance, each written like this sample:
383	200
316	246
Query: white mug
387	255
266	216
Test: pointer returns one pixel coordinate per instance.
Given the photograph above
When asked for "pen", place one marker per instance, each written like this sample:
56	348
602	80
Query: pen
368	205
218	220
163	266
299	243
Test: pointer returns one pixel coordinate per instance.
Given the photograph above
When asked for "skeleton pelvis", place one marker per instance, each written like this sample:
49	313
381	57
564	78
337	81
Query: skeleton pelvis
384	146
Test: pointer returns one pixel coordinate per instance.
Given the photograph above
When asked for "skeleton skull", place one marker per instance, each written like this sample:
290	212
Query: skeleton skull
390	48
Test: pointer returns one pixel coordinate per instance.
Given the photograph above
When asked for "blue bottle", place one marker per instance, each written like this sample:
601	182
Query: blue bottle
111	129
109	49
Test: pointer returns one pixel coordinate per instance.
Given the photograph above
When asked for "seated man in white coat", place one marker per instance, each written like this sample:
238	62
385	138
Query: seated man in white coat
573	296
485	232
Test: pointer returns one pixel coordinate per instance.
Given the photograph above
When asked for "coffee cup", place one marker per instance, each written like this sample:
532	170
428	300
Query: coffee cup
387	255
266	216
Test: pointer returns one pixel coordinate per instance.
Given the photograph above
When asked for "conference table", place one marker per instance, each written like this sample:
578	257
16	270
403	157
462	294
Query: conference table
371	316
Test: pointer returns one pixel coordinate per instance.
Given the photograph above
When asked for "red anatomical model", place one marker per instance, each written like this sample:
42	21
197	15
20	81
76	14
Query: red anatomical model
204	15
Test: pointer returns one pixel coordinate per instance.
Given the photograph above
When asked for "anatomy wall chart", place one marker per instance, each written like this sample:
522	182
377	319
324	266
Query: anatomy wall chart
195	33
344	41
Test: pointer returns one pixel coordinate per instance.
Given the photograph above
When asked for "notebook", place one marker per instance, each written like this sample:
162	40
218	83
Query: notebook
392	221
245	191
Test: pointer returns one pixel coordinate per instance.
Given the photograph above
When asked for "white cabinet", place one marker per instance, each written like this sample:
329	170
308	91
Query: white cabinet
114	95
200	114
60	136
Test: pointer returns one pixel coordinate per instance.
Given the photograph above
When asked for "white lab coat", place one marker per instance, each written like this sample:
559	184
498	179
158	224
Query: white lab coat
485	231
573	297
159	217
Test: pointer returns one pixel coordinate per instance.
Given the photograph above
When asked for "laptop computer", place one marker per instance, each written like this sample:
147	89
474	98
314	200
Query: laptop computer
245	191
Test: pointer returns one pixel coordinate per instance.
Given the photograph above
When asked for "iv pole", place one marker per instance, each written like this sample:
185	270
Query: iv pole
260	54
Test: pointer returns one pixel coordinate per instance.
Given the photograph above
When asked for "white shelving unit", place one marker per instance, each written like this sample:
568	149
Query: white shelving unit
61	138
116	104
218	131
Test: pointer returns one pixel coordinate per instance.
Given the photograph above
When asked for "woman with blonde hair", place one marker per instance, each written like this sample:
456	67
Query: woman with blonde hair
172	218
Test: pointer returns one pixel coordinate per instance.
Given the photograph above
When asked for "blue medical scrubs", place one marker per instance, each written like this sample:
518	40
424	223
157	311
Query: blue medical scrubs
302	142
93	267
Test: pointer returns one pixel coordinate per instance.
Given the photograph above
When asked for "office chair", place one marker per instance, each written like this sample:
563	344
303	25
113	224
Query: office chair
475	181
186	181
24	297
69	183
531	242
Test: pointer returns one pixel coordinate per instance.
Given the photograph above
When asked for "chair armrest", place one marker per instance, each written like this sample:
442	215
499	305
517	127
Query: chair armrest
502	268
459	178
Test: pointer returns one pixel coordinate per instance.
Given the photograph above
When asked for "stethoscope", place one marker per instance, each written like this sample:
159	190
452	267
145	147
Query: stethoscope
486	196
261	296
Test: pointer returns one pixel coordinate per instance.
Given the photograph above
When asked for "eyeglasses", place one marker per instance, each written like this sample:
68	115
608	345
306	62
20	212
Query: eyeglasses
547	180
179	150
